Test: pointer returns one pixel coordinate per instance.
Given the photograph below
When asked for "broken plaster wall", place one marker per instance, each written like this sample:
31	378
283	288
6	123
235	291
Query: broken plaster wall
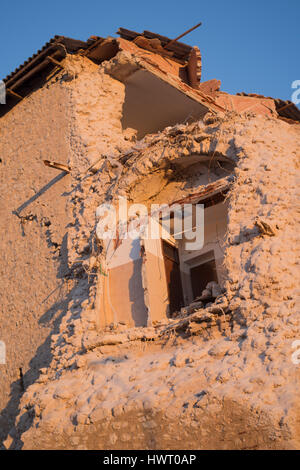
233	387
95	134
239	381
96	138
71	120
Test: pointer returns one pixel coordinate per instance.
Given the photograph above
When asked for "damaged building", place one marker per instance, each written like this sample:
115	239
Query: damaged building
96	122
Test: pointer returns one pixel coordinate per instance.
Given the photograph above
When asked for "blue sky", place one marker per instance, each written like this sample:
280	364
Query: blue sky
251	46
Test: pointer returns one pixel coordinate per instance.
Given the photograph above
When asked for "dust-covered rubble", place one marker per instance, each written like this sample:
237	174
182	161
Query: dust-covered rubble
220	374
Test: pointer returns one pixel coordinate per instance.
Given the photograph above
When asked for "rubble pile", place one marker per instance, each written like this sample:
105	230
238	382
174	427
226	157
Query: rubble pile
224	362
219	374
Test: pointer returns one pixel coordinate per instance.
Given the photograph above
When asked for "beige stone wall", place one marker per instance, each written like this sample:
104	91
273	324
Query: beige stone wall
33	258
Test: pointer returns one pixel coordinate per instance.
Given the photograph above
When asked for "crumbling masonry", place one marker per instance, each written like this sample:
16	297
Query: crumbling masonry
96	357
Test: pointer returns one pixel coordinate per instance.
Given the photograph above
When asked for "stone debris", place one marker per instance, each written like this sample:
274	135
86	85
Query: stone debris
265	228
211	291
226	342
219	373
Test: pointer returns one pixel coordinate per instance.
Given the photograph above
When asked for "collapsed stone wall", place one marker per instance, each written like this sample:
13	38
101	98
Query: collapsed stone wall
230	385
45	230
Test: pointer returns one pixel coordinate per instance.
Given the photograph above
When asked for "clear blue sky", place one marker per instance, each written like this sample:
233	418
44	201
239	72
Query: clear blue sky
250	45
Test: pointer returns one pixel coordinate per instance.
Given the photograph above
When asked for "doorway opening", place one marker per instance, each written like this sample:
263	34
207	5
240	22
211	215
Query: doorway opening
173	276
201	275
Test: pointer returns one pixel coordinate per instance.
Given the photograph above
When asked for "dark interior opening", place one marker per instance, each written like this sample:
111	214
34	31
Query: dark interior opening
201	275
173	276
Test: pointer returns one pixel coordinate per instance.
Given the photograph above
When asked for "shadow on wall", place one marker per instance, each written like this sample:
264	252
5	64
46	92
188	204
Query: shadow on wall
139	310
40	192
42	357
151	104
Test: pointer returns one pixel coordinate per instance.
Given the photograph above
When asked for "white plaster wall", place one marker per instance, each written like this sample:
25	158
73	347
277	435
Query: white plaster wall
215	226
124	293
